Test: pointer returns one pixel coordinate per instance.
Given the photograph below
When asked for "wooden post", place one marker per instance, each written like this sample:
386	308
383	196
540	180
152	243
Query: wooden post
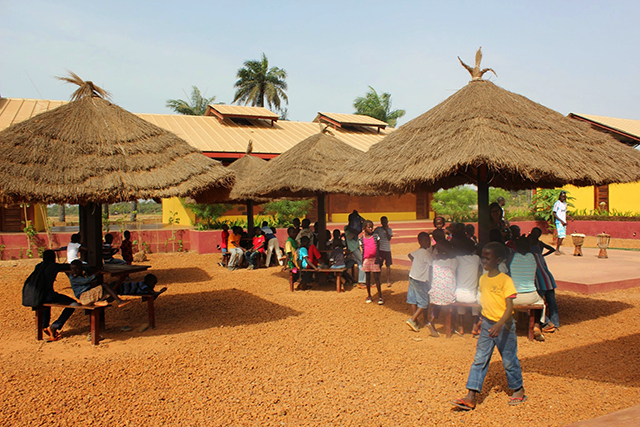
91	232
250	217
322	222
322	231
483	206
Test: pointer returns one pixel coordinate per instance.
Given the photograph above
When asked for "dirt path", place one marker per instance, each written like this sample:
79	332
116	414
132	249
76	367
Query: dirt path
237	348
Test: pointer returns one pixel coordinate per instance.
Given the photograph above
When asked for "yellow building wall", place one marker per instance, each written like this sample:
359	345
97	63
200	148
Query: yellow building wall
174	206
624	197
375	216
583	197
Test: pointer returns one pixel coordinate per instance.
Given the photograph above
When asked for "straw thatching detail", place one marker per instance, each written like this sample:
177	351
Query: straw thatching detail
91	150
245	169
85	89
523	144
476	72
302	171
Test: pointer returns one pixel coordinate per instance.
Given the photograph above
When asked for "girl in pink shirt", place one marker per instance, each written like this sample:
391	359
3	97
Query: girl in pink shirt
369	244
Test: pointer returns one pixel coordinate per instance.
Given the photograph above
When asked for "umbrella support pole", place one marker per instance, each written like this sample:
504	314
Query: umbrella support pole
250	217
483	206
90	216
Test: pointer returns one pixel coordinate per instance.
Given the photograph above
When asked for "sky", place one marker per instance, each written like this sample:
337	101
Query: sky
571	56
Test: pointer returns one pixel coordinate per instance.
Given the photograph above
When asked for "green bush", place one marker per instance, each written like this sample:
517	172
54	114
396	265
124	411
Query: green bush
207	214
455	203
284	211
542	205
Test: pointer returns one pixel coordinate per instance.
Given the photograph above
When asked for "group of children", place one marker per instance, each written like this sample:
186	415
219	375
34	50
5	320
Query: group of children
75	250
240	247
446	269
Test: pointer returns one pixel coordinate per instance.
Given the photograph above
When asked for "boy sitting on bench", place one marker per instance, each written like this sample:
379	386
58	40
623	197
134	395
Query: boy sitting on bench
144	287
88	291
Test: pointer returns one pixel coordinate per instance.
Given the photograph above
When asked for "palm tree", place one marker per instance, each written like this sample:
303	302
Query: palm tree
378	107
258	83
196	107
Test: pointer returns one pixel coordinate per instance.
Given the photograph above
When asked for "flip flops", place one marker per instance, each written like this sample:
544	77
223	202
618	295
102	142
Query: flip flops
52	334
462	404
517	400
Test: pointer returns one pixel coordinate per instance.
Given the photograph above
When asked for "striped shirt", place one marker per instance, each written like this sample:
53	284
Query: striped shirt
385	244
523	272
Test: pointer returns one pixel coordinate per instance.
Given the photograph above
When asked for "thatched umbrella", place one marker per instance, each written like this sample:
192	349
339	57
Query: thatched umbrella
91	151
302	172
486	135
245	168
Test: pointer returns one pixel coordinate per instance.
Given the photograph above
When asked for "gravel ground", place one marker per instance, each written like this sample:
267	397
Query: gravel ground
237	348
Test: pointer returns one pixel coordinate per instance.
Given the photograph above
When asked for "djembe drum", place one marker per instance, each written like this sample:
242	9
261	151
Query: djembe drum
603	244
578	241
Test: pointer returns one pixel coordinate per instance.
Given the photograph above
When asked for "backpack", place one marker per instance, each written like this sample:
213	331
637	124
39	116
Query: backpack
34	290
355	223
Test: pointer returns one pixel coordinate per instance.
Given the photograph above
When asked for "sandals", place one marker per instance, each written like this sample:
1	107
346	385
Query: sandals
517	400
537	334
549	328
463	404
52	334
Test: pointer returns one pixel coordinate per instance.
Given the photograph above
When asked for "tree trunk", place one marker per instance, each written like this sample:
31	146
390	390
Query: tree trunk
105	210
134	211
62	215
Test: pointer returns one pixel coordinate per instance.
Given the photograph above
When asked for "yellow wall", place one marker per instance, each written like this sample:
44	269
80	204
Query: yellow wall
173	205
583	197
624	197
375	216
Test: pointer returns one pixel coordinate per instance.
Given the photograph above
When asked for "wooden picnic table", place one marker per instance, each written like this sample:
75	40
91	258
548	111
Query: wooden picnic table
121	272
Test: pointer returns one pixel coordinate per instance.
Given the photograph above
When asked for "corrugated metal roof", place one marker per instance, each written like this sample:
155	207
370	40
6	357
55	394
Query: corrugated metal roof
15	110
352	119
628	126
241	111
207	134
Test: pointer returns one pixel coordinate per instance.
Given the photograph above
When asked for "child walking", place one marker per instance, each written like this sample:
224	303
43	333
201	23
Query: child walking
370	267
498	330
418	293
385	233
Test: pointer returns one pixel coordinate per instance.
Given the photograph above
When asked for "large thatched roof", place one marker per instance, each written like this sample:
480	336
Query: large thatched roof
302	170
523	144
91	150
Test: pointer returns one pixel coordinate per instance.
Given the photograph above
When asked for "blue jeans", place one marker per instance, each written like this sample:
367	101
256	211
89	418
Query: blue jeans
507	344
550	298
56	298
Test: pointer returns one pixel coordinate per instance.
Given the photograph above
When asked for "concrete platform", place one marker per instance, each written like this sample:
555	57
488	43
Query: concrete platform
629	417
589	274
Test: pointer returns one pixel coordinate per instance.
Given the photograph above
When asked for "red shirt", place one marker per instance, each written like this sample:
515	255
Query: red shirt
314	255
258	243
223	239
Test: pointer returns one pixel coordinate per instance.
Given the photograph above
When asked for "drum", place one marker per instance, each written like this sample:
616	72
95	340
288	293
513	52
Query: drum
603	244
578	241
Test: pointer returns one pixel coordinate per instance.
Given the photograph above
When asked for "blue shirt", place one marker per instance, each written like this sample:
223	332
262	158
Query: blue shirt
523	272
303	253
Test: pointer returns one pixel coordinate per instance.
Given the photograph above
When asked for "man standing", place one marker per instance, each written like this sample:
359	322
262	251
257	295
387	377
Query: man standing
560	215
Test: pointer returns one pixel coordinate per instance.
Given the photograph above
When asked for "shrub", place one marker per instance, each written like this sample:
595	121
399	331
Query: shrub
284	211
542	205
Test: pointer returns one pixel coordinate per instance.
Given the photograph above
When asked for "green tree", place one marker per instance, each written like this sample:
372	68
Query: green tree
257	84
378	107
286	210
457	203
196	106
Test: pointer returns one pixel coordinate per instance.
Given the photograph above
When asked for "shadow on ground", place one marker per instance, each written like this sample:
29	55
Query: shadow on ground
574	309
178	313
611	361
181	275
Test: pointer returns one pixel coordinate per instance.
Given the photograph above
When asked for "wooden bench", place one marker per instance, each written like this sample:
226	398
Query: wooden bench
338	272
453	307
96	314
529	309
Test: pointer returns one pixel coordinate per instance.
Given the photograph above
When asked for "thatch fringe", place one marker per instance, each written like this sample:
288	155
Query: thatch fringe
523	144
